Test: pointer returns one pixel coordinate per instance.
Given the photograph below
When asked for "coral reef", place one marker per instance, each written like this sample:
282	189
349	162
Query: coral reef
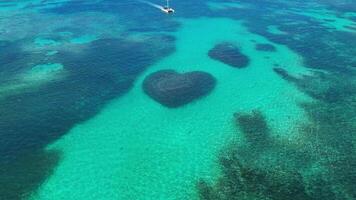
172	89
273	169
229	54
253	126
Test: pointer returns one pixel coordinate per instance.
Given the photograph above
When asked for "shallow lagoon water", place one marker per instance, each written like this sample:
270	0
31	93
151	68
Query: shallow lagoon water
115	142
154	150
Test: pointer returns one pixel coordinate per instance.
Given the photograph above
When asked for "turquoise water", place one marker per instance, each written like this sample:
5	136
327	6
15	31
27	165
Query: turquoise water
166	147
77	124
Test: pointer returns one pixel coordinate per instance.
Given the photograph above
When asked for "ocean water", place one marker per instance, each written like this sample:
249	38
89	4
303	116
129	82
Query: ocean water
75	122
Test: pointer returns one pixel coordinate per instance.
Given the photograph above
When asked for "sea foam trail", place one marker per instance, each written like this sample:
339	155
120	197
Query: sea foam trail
152	4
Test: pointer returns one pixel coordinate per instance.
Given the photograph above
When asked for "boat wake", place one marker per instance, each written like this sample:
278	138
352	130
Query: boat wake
152	4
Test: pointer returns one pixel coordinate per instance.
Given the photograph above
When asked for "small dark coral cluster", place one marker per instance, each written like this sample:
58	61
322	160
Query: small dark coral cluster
265	47
253	126
229	54
173	89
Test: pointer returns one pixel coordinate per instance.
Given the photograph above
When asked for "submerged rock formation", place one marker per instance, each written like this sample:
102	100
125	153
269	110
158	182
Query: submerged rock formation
284	74
265	47
253	126
173	89
229	54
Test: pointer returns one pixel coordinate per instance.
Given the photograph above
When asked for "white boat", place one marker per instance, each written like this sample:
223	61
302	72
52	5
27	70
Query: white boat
167	9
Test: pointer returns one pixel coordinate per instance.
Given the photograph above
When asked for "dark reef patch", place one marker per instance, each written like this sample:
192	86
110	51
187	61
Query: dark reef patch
21	176
330	132
31	118
352	28
272	171
265	47
13	59
329	20
246	174
245	182
206	191
172	89
253	126
229	54
284	74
